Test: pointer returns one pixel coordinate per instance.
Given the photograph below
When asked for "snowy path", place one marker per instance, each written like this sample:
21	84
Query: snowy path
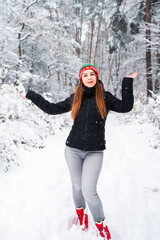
36	198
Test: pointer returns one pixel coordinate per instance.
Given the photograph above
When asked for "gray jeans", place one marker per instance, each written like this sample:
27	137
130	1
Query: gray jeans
84	168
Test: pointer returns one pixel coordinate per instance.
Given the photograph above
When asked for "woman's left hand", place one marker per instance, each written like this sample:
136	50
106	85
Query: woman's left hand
133	75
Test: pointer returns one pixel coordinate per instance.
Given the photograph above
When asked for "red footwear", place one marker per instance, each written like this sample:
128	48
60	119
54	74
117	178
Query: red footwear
82	219
103	230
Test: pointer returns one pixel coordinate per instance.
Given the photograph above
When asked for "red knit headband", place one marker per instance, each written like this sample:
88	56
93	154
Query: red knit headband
87	68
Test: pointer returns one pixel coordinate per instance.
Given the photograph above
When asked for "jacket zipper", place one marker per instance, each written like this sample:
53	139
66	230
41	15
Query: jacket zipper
86	127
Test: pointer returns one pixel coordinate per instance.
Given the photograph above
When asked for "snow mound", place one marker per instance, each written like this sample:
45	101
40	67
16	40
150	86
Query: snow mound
23	124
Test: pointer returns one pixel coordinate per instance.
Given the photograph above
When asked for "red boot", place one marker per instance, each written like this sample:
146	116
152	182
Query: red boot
103	230
82	218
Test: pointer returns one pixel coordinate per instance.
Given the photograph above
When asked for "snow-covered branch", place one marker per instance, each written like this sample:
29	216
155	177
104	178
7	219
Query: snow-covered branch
31	5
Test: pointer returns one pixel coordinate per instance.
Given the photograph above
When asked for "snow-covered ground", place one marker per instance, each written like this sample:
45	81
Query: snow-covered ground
36	198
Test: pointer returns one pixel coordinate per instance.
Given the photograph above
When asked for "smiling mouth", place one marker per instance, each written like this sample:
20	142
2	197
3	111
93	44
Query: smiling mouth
90	82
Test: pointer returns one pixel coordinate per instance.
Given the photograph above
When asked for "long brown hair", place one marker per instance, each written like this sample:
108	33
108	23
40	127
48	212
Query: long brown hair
77	100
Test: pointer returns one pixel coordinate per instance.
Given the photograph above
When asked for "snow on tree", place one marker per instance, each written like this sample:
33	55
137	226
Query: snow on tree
22	124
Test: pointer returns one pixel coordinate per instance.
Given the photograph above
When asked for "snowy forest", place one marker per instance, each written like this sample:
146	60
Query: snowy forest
43	44
40	41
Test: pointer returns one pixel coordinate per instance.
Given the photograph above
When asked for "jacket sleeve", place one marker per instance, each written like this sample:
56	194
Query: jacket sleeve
124	105
50	108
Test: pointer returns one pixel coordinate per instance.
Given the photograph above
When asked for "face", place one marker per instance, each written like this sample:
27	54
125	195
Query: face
89	78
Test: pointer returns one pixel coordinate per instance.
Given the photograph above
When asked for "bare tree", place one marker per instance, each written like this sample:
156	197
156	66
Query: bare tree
78	26
99	26
91	40
157	81
148	49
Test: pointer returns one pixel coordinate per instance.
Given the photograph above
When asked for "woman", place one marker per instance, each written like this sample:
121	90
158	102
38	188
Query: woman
89	107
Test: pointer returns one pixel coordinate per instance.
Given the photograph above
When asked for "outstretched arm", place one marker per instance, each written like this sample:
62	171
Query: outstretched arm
46	106
126	104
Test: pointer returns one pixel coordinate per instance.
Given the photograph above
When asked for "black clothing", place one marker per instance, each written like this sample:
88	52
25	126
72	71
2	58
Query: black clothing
88	130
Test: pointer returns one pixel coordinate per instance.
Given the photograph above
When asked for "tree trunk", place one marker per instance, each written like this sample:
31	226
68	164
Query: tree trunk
58	76
110	69
92	30
157	81
78	29
19	54
148	50
99	26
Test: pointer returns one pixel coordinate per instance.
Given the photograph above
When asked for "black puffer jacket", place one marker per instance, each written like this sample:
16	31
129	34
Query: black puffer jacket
88	130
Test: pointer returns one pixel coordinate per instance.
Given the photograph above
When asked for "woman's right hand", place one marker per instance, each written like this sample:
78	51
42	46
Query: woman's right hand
23	95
